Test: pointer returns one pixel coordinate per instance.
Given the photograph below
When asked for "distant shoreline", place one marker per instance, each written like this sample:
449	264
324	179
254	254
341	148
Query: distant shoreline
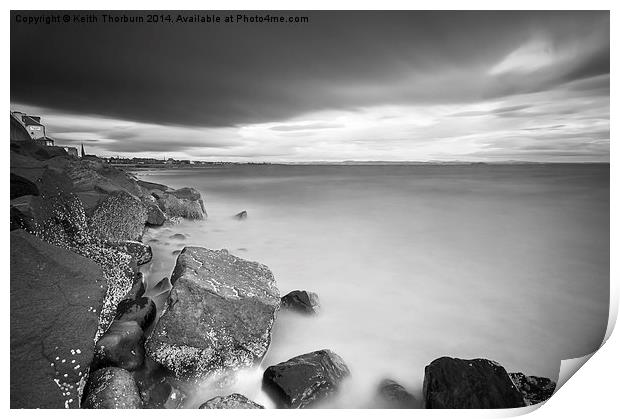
370	163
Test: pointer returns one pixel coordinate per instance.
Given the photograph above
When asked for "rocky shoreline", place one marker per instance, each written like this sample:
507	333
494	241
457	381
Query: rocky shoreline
84	335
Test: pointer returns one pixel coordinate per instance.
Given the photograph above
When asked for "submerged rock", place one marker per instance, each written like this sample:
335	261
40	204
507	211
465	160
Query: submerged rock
165	396
242	215
305	379
55	296
534	389
306	302
219	314
111	388
452	383
122	345
395	396
141	310
232	401
178	236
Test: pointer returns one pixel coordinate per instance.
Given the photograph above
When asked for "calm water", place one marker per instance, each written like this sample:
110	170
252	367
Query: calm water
411	263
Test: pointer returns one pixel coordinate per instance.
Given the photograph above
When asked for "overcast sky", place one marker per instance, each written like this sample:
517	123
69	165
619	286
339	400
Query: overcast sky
476	86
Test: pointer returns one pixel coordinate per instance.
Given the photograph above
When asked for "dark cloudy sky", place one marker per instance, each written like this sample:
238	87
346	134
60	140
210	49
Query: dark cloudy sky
479	86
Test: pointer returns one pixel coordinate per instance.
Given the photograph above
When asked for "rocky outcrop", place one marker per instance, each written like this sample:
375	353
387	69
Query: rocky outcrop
452	383
122	345
534	389
219	314
56	296
395	396
111	388
232	401
305	379
305	302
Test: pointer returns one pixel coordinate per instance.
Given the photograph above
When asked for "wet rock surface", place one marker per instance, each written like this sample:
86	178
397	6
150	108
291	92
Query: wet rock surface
305	379
452	383
141	310
232	401
218	315
305	302
122	345
534	389
137	287
56	296
395	396
154	215
111	388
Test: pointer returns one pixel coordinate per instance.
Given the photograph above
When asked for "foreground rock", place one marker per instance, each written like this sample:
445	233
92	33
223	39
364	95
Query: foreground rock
452	383
111	388
233	401
305	379
301	301
56	296
534	389
394	396
122	345
218	315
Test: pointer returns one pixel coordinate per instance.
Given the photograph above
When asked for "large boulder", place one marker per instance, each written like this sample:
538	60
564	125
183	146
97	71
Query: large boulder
218	315
305	302
452	383
534	389
119	217
180	207
305	379
232	401
122	345
111	388
56	296
395	396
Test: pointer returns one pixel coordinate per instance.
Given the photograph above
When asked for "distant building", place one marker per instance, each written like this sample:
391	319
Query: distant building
33	127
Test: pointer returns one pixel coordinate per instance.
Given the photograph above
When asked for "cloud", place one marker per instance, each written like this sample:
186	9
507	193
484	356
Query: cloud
348	85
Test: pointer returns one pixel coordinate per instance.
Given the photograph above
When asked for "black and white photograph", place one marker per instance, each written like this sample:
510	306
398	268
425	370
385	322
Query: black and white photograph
307	209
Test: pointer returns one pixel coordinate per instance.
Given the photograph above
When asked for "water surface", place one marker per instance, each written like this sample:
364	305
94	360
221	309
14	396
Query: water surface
506	262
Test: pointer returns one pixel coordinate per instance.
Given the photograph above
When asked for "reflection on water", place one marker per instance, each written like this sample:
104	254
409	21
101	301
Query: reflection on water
412	263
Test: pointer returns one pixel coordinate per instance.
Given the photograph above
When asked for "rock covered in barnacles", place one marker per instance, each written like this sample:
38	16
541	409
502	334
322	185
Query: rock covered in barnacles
232	401
111	388
218	315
